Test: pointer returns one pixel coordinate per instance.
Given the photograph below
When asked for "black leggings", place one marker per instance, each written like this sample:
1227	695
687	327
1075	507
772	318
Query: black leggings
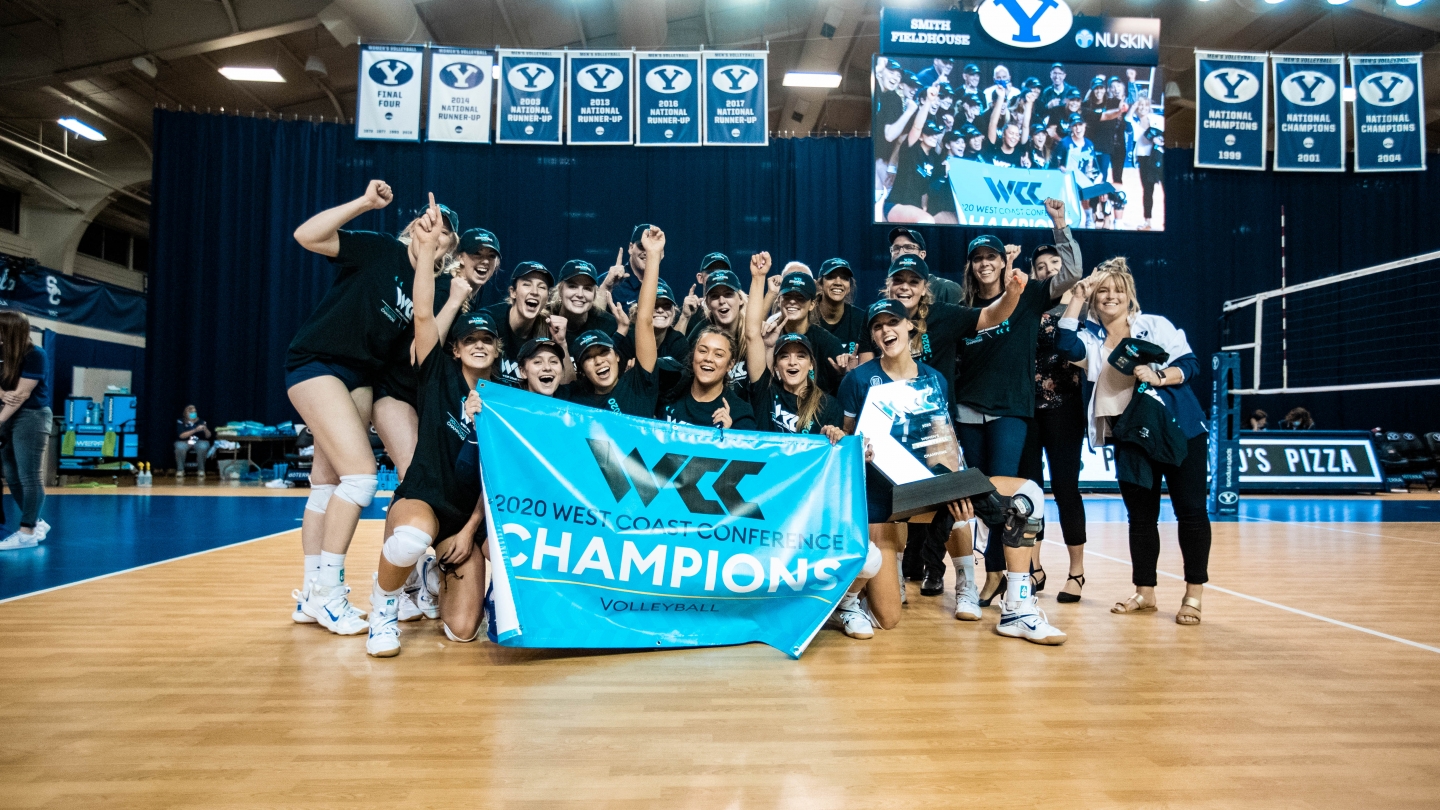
1060	434
1150	174
1187	497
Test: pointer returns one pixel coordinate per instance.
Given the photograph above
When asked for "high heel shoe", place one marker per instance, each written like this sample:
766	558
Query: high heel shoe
995	594
1071	598
1037	585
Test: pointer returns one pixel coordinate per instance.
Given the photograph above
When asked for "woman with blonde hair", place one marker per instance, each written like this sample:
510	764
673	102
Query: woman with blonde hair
24	426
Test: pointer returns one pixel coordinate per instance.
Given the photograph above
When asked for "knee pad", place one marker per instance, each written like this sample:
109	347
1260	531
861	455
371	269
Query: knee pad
872	563
1025	516
358	489
456	638
406	546
319	497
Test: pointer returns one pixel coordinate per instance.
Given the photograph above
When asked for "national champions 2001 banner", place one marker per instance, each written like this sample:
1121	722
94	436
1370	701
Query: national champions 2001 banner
1389	113
1309	113
1231	90
387	100
608	531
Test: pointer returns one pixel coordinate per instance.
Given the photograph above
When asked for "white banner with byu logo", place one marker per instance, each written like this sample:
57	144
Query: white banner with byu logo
1309	113
459	95
528	104
1231	90
669	99
597	106
735	111
1389	113
387	102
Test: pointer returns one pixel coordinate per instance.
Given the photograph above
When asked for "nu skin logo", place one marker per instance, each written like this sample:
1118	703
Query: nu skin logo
1386	89
530	77
598	78
1026	23
668	79
735	79
461	75
1231	85
391	72
680	473
1307	88
1024	193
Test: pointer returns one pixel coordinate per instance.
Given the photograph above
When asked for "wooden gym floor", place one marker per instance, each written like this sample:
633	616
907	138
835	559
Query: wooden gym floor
1313	682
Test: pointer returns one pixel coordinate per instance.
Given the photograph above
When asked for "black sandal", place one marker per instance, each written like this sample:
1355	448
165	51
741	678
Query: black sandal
1070	598
1037	585
999	593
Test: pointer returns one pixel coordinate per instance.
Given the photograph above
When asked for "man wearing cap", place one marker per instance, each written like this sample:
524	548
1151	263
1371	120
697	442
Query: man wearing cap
577	298
622	283
524	317
938	71
1054	95
908	242
838	315
479	257
970	79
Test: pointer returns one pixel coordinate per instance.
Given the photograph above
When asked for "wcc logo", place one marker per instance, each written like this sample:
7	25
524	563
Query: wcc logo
391	73
734	79
1026	23
1386	89
1022	192
1231	85
462	75
680	473
599	78
530	77
1307	88
668	79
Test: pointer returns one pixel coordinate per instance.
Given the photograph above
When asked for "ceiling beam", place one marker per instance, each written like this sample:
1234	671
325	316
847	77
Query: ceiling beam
315	80
230	12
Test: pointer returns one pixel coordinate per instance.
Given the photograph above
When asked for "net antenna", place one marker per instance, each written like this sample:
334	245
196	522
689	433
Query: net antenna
1373	328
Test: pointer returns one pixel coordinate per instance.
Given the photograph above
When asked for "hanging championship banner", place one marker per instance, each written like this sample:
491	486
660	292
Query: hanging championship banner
598	108
459	95
668	101
528	104
387	102
1309	113
1389	113
610	531
1230	94
735	111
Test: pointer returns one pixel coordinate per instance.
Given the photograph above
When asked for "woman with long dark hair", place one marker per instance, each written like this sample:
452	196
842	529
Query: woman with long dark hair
786	393
24	425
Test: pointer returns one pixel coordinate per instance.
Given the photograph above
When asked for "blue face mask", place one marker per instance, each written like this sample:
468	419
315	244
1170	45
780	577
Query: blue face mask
191	416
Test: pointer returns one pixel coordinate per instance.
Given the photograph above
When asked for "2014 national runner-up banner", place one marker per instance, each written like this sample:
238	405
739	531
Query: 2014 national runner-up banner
1389	113
387	101
668	101
1309	113
528	104
459	95
735	106
609	531
598	108
1231	91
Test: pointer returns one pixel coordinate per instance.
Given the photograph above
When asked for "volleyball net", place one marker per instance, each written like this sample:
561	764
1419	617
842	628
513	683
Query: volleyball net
1378	327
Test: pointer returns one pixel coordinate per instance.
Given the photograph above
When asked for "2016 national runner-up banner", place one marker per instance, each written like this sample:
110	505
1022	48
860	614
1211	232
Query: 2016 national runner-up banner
459	95
528	104
608	531
1231	90
387	101
1309	113
1389	113
668	103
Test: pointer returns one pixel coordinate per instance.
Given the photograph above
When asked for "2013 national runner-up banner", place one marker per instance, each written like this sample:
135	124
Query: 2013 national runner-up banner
387	101
598	108
735	106
528	104
668	104
1231	91
1389	113
1309	113
459	95
609	531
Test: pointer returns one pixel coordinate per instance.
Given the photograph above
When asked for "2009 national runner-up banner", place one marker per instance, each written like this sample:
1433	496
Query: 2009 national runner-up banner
1389	113
1309	113
608	531
1231	90
387	100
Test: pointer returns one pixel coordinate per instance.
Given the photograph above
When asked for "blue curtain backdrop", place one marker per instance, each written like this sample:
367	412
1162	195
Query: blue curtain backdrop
229	285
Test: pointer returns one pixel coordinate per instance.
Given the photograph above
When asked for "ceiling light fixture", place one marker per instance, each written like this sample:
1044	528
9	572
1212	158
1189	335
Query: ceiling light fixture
1407	3
798	79
1347	94
251	74
82	129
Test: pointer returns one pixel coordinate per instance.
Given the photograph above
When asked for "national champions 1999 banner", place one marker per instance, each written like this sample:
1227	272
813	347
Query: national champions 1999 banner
608	531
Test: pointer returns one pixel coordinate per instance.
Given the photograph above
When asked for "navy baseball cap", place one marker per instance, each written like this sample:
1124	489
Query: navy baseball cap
639	232
445	211
986	241
793	337
914	264
1036	128
664	293
972	99
591	339
467	325
526	268
1134	352
1042	250
910	232
970	68
800	283
1096	82
932	128
473	240
722	278
911	79
1057	65
534	346
831	266
885	306
1075	119
971	131
1031	83
1073	93
579	267
891	64
712	259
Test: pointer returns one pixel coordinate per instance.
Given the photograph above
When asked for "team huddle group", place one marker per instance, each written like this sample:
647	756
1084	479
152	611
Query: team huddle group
416	326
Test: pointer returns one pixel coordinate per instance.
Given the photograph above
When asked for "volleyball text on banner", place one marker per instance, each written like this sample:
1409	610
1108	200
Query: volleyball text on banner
527	107
735	107
597	107
459	95
609	531
387	102
668	98
1309	113
1389	113
1230	120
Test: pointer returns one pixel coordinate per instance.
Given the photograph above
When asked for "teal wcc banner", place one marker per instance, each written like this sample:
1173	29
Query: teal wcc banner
610	531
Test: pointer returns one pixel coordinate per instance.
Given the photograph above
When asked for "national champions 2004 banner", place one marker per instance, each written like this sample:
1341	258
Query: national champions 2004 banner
387	101
1309	113
608	531
1230	108
1389	113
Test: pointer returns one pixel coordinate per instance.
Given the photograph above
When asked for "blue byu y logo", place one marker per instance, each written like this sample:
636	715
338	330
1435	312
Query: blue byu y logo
390	72
530	77
1231	85
461	75
599	78
1387	89
1307	88
668	79
1026	23
735	79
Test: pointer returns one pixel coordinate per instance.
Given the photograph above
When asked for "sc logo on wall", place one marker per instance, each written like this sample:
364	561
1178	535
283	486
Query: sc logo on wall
1307	88
1026	23
391	73
1231	85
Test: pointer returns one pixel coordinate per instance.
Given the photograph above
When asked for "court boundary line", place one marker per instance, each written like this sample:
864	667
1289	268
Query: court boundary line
1320	525
1297	611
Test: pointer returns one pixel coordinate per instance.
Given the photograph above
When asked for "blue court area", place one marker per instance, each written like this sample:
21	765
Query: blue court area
95	535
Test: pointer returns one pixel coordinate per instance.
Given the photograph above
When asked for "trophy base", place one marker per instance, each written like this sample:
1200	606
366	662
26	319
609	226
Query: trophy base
916	498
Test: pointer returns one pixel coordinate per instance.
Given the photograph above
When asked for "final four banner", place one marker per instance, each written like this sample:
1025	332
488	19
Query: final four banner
669	102
459	95
1389	113
735	108
609	531
598	108
1230	120
1309	113
387	102
528	104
